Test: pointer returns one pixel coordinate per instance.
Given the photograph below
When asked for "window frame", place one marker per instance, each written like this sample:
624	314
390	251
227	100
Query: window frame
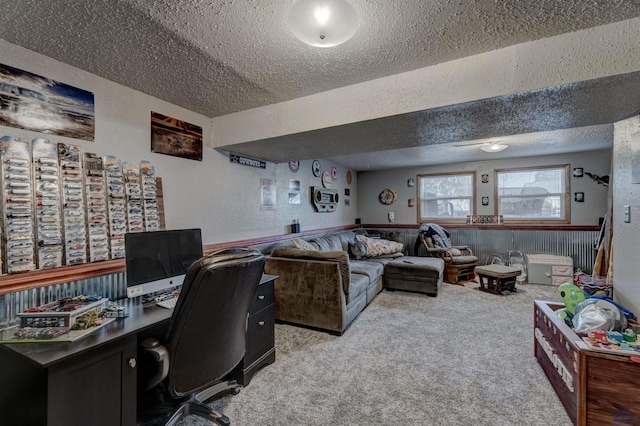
441	219
530	219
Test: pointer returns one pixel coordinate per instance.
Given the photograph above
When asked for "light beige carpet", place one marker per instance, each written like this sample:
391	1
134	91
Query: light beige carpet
462	358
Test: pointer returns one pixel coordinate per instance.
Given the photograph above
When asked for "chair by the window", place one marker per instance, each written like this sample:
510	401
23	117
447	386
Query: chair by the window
459	261
206	336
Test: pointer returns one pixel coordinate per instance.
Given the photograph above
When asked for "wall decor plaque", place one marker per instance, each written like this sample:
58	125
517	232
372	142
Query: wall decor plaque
485	220
387	196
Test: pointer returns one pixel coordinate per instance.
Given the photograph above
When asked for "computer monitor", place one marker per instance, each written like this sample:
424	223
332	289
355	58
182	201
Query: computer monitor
158	261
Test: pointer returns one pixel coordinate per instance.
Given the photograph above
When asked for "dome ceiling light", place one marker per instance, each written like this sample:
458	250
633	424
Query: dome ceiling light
494	147
323	23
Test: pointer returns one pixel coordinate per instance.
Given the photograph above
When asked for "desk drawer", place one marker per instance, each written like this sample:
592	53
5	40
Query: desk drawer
262	298
260	335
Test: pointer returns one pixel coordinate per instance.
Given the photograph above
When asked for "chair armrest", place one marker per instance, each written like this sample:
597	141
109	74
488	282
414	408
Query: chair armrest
464	249
441	253
161	356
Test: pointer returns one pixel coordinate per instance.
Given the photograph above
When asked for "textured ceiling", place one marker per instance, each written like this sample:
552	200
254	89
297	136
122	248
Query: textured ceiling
575	105
217	57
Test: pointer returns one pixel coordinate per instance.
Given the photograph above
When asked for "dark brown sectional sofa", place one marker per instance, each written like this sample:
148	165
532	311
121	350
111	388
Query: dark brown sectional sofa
325	288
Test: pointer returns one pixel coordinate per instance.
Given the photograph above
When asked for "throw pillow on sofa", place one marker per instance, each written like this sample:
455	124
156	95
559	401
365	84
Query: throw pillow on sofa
358	249
377	247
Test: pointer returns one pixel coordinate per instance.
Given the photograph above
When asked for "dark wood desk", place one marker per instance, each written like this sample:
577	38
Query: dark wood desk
90	381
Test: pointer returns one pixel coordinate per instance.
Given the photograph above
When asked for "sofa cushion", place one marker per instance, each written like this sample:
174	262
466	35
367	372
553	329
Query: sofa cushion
461	260
328	242
373	270
338	256
304	245
359	284
382	260
377	247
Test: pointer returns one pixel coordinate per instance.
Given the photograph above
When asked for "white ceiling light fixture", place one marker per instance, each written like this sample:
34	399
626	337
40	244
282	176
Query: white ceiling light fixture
494	147
323	23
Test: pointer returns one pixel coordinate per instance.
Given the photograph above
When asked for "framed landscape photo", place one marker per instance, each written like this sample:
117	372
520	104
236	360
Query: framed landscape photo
175	137
33	102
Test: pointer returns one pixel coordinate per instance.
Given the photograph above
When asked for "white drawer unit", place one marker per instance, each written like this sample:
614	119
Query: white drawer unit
549	269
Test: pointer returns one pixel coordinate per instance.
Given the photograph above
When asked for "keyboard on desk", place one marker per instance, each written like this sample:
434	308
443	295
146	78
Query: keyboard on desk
168	303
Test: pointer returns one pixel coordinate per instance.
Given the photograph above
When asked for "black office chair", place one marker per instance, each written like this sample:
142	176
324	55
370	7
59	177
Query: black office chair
206	335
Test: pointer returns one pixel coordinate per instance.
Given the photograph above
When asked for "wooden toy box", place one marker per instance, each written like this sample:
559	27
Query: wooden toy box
594	388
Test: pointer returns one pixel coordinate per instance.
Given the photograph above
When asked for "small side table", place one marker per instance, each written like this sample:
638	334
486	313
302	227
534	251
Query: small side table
496	278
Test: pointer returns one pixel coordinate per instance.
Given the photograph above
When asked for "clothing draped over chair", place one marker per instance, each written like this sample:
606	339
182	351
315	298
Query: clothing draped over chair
459	260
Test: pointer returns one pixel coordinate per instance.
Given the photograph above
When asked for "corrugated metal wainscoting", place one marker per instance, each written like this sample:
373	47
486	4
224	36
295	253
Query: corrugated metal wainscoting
485	242
112	286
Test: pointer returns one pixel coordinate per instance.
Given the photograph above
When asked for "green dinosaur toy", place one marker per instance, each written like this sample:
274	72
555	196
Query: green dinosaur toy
571	295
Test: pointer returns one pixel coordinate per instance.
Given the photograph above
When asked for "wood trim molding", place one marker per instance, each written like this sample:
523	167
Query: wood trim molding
504	227
36	279
208	248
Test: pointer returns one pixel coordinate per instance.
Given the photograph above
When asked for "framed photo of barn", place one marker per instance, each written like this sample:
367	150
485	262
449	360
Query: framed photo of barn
175	137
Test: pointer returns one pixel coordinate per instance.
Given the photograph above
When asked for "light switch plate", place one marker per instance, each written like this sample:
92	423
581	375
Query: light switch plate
627	213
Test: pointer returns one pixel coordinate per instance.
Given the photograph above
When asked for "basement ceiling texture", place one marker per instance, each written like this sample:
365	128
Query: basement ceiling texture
217	57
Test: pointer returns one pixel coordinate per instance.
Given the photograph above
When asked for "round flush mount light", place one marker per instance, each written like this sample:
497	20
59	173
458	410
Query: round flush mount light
494	147
323	23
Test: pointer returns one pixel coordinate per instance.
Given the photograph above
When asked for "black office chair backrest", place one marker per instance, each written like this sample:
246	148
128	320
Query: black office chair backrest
206	336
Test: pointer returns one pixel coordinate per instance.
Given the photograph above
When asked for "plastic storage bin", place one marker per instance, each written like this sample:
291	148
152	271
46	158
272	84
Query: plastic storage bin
549	269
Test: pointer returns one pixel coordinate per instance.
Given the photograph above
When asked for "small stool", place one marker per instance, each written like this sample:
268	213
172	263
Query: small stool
496	278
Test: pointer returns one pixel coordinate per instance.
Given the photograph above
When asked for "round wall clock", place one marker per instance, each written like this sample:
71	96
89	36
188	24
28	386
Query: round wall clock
326	179
315	168
349	177
388	196
294	166
334	173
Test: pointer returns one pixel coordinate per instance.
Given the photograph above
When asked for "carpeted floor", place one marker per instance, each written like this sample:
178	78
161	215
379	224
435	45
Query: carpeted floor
462	358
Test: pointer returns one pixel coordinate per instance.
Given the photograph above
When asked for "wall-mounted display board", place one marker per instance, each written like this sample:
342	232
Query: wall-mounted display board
117	205
73	207
133	192
97	223
149	201
61	207
18	209
46	173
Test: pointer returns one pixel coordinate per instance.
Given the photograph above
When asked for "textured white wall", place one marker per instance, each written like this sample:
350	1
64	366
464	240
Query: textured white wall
221	198
587	213
582	55
626	236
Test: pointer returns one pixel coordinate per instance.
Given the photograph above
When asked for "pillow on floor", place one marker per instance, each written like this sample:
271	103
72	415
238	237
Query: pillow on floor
378	247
